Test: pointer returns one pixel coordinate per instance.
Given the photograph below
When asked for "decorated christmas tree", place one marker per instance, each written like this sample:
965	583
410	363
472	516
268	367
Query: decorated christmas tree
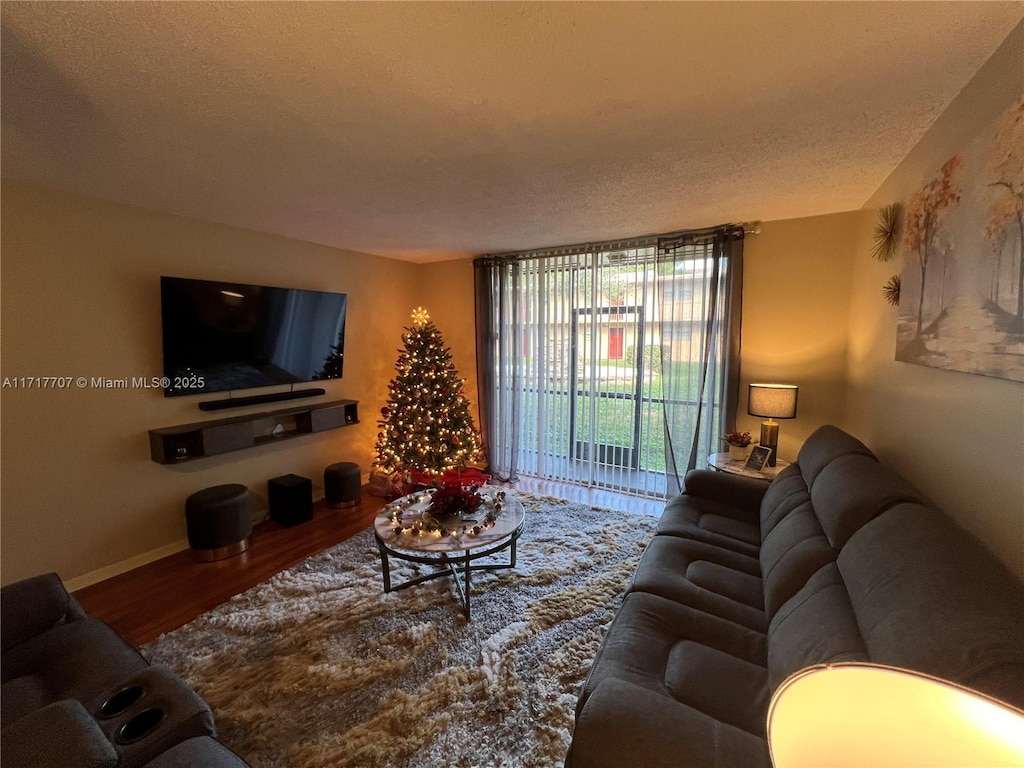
426	425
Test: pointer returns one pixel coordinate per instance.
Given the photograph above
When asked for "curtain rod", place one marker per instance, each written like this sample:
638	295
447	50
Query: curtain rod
749	228
690	236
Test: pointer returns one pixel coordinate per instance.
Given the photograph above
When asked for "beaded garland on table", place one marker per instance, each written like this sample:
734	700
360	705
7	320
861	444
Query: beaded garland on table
431	525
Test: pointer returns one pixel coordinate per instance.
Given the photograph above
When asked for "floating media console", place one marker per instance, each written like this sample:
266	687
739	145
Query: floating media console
173	445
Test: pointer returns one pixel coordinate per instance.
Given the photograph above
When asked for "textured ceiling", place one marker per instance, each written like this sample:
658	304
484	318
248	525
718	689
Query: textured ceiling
425	131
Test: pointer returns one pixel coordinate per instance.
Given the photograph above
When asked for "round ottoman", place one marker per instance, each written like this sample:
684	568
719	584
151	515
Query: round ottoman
219	521
342	484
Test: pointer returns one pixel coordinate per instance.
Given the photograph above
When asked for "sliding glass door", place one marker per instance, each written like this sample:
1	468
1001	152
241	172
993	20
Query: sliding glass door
605	413
590	356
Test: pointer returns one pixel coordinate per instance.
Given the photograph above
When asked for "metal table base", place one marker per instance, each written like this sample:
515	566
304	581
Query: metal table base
459	567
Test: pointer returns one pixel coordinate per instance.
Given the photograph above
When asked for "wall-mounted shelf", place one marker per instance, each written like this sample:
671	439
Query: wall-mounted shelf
186	442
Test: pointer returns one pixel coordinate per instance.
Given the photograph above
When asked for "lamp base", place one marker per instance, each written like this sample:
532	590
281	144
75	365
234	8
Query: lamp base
770	439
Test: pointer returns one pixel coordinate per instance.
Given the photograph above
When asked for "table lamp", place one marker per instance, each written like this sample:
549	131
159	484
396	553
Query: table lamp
859	715
775	401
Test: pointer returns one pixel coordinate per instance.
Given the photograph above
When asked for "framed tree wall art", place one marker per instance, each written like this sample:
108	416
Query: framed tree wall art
961	291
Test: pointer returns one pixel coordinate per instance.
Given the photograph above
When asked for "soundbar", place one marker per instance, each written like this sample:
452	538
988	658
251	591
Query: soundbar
238	402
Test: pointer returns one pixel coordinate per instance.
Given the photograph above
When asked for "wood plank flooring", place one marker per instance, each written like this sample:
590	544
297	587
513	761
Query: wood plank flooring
163	595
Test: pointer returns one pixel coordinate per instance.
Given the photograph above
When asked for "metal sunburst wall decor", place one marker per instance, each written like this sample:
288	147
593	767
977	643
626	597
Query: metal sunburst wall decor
891	290
887	232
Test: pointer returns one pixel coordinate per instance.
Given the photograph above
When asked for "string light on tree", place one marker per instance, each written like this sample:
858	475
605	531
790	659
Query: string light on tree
426	424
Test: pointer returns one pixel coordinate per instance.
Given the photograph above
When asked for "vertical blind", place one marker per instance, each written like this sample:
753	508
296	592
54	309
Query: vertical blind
594	359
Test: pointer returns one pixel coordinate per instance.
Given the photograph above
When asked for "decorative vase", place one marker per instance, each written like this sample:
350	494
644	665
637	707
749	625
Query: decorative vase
738	452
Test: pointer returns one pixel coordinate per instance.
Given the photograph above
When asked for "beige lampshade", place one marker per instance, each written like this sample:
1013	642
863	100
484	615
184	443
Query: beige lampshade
854	715
776	401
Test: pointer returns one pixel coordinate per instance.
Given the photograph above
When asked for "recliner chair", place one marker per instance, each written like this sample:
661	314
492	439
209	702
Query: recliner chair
72	692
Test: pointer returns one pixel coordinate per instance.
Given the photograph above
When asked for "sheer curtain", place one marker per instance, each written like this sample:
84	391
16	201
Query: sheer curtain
701	386
612	364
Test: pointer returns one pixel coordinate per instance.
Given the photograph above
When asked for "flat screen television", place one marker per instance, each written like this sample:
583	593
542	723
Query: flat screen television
226	336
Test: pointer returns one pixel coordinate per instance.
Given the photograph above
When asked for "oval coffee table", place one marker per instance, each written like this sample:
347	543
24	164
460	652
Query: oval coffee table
454	553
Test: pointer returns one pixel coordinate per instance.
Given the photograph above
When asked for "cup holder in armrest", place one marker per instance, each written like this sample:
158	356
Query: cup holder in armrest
140	726
120	701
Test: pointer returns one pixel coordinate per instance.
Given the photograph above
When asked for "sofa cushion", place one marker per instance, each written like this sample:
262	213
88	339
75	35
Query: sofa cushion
74	660
712	579
815	626
20	696
713	522
32	606
743	493
930	597
663	657
733	584
852	490
728	689
647	628
793	552
825	445
625	724
787	492
59	735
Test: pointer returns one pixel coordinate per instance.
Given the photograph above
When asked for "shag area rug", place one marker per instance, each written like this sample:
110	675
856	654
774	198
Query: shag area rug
318	667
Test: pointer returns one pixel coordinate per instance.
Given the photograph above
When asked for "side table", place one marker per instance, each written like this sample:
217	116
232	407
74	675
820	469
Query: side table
720	462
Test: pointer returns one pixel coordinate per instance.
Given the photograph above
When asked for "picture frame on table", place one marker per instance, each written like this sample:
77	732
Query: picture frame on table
758	458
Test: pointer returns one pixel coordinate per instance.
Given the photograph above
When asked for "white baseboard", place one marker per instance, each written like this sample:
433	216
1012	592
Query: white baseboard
109	571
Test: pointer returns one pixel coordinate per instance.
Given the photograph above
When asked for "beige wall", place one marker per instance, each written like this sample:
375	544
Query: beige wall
80	297
445	289
796	304
959	437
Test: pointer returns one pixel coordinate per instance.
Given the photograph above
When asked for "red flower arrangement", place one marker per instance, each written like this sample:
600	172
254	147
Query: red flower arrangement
455	499
739	439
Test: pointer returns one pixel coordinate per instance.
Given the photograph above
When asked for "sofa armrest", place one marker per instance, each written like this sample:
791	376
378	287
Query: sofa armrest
30	607
744	493
57	735
198	752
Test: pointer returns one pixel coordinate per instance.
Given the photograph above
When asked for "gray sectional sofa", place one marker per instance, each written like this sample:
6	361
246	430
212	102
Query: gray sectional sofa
72	693
839	559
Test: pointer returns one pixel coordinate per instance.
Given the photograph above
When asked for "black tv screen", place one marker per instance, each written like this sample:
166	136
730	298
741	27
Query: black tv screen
224	336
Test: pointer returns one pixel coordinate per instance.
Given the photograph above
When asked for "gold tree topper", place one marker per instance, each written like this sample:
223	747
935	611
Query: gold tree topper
420	317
